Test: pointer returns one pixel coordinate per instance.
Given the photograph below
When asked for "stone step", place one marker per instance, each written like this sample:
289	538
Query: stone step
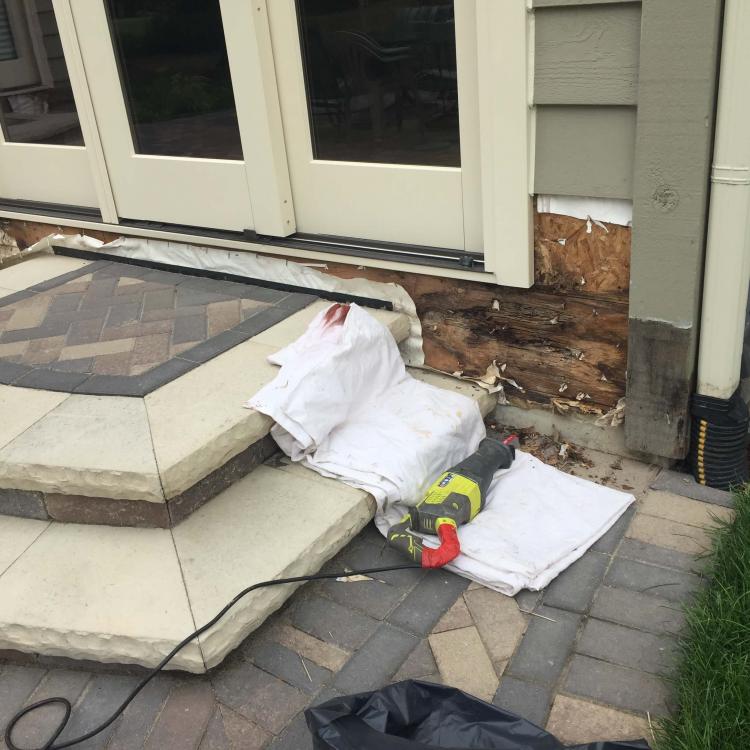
129	595
139	461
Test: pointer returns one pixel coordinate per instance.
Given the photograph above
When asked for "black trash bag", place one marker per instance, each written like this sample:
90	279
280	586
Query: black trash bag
415	715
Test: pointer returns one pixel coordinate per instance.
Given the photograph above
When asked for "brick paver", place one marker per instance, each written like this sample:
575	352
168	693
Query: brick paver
524	698
587	657
575	721
463	661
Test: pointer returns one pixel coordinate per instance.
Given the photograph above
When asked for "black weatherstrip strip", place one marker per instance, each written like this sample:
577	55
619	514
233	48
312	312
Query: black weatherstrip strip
378	304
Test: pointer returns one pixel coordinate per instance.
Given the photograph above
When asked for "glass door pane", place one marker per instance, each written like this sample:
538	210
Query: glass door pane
7	45
175	75
381	80
36	99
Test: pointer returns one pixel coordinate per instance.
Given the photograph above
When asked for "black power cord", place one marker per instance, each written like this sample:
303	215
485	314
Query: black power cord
65	703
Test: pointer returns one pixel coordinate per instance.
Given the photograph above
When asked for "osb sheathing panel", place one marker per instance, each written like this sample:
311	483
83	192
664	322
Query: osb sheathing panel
591	257
561	340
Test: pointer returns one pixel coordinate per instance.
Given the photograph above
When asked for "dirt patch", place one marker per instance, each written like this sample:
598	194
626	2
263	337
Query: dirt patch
554	452
8	246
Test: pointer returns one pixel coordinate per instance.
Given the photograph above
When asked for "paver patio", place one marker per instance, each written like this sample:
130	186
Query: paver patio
586	657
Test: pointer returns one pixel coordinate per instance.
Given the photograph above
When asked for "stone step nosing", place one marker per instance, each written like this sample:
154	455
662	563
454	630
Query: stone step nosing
102	647
162	477
139	513
29	630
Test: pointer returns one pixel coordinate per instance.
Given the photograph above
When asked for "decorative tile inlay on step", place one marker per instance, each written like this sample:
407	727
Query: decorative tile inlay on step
112	328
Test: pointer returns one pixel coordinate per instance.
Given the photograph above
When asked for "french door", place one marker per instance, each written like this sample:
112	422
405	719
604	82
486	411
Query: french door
380	109
42	152
348	118
177	88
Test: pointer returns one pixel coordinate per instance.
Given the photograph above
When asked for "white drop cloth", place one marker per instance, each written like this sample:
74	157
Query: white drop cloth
345	405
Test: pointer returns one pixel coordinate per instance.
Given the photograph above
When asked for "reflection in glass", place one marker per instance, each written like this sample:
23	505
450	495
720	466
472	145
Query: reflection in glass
7	45
175	75
381	80
36	100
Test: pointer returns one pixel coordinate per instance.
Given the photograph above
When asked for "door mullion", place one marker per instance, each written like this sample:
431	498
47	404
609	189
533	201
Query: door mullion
468	120
85	107
251	62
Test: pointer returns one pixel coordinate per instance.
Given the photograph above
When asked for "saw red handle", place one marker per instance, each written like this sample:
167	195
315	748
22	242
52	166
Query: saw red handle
448	550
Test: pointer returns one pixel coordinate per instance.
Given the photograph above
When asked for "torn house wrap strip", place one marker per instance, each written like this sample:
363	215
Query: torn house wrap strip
345	406
253	267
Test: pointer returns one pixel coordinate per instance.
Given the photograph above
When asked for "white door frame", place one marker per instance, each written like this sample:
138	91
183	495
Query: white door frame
213	193
505	44
504	32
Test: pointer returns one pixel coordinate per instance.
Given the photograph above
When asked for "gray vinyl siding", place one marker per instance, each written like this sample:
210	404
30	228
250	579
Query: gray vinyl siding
586	62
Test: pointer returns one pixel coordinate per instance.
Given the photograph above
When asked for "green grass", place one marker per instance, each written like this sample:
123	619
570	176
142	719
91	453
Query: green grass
712	681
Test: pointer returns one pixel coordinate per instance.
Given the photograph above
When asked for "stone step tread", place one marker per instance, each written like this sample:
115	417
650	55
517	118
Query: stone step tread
129	595
148	449
23	275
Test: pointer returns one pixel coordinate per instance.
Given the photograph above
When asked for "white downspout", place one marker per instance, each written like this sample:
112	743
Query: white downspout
727	267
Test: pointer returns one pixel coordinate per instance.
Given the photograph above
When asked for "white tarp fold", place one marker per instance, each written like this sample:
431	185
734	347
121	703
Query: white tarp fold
253	266
345	405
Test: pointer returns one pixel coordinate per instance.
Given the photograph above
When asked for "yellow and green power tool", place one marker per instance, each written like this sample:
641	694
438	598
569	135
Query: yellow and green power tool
456	498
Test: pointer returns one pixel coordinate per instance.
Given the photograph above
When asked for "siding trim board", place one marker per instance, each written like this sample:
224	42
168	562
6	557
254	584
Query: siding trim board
676	109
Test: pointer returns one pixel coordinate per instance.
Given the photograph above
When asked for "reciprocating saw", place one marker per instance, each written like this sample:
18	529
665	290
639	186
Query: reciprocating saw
456	498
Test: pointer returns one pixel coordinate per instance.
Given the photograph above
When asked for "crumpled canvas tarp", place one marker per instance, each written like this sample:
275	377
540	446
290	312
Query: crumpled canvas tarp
415	715
345	406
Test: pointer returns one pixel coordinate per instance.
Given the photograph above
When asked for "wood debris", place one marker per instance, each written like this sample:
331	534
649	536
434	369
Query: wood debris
614	417
562	455
491	375
8	245
567	406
